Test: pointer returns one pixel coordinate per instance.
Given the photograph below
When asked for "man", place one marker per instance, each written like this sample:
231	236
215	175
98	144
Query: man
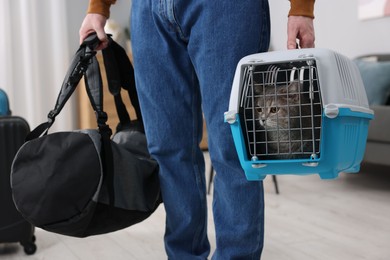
185	53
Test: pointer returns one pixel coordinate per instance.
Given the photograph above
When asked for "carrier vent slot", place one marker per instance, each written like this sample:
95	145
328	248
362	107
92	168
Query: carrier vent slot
350	133
347	77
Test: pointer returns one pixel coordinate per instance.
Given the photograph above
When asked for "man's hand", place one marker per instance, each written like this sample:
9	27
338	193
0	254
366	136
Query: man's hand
301	28
94	23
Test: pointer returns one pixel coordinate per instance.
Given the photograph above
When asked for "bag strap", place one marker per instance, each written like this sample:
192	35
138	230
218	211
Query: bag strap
94	87
120	75
79	65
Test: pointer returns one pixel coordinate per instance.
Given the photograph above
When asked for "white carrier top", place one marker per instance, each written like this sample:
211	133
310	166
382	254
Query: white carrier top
340	81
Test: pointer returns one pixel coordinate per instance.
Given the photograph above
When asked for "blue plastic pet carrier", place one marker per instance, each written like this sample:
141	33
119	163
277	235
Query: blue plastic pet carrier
298	112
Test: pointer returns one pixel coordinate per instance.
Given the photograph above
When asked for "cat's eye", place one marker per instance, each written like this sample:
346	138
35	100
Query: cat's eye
259	110
274	110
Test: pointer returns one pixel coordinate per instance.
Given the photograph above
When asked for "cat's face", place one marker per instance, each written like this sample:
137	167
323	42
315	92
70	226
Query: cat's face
267	113
275	105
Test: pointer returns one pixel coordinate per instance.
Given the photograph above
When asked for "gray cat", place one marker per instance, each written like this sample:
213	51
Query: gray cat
284	115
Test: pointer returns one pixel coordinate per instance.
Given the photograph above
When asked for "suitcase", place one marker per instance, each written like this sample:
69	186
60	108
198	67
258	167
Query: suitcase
4	104
13	227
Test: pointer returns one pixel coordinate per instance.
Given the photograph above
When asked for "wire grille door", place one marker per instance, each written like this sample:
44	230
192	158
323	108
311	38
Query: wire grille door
281	111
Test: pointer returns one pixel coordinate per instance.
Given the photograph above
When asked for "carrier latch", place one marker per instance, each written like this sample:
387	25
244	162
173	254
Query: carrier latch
230	117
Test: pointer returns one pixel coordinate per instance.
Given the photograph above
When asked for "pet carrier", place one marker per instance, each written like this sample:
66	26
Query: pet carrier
298	112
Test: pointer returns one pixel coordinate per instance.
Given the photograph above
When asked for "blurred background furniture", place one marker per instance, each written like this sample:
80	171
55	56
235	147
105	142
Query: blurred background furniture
375	71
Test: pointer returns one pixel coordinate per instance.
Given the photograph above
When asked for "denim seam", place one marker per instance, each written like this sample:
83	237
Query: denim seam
259	236
197	171
172	19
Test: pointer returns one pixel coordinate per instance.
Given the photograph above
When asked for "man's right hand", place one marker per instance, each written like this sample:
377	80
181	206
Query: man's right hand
300	28
94	23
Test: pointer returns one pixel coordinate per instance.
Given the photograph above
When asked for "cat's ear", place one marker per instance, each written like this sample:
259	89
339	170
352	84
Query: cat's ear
258	89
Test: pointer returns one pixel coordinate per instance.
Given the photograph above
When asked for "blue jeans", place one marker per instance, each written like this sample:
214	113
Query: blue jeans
185	55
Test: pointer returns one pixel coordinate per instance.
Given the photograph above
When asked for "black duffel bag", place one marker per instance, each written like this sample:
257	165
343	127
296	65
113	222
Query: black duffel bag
81	183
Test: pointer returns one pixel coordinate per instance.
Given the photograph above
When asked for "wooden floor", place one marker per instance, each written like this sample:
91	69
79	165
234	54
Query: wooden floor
311	219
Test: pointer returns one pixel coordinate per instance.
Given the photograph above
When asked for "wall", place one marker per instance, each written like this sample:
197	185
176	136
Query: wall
337	28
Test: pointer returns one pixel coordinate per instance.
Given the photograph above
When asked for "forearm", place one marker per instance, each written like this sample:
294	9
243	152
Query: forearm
100	7
302	8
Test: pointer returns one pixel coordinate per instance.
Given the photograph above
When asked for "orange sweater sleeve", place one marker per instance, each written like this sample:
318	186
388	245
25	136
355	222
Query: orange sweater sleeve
100	7
302	8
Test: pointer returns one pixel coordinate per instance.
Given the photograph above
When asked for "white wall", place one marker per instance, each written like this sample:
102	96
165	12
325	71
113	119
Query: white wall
337	27
34	55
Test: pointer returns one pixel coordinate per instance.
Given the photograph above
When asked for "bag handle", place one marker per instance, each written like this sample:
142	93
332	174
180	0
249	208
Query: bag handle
79	65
